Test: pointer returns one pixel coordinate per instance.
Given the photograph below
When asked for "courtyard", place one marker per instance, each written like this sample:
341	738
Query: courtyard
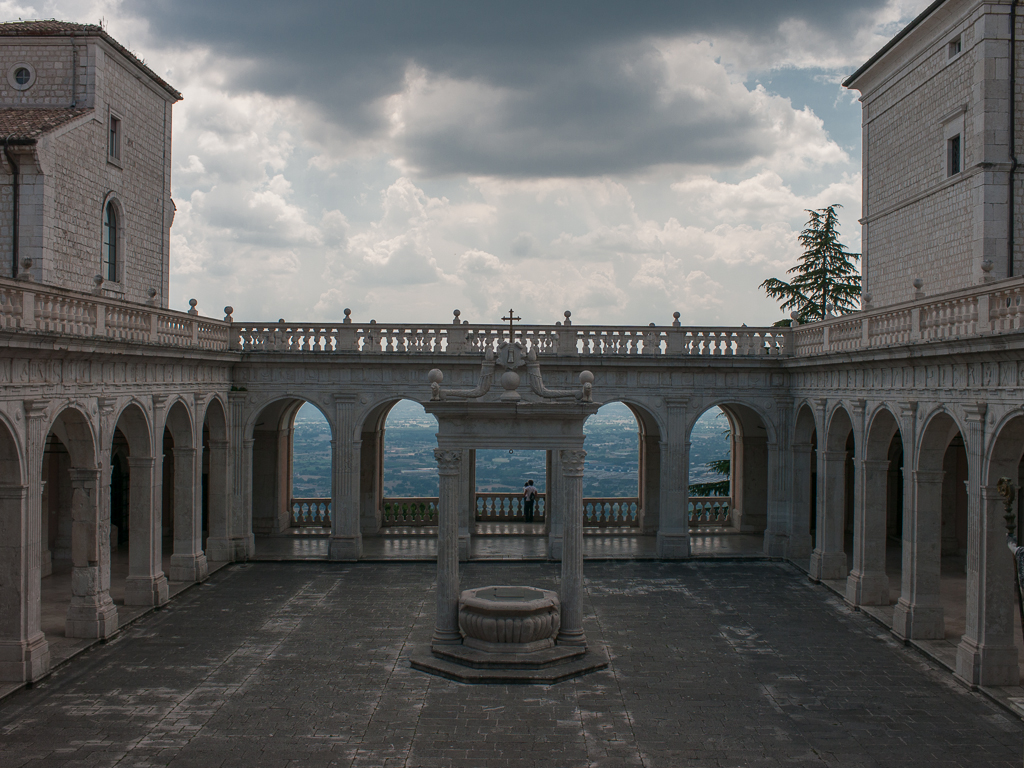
306	664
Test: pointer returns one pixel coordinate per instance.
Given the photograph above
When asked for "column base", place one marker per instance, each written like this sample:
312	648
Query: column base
987	665
346	548
576	638
24	661
446	637
673	546
188	568
870	588
918	622
226	550
555	548
94	616
828	565
145	590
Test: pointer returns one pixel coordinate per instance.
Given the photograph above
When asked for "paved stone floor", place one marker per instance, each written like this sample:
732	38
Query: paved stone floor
305	664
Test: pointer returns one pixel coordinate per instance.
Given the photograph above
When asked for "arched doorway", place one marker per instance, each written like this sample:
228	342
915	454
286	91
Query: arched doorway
712	447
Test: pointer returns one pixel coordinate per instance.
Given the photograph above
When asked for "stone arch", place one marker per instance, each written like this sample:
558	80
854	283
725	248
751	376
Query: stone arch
79	532
145	583
941	457
270	427
835	496
182	509
649	438
805	480
26	654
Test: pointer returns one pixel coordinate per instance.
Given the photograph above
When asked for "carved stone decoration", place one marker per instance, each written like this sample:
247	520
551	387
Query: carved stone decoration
584	394
504	619
436	378
511	355
448	462
572	462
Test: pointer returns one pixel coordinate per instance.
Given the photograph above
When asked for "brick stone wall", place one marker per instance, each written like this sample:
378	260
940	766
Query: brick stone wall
67	179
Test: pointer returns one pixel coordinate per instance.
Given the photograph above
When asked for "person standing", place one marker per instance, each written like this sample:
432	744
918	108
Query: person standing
529	496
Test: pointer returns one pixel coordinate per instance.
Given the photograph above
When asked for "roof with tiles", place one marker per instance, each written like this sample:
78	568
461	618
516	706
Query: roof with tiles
55	28
26	125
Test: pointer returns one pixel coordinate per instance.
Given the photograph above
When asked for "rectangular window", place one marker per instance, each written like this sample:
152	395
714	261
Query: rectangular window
955	46
954	161
114	150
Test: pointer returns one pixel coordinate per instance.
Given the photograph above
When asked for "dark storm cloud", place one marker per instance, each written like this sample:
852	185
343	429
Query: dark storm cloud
577	99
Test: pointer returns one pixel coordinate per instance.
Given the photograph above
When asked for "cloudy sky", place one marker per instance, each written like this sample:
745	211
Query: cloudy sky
403	158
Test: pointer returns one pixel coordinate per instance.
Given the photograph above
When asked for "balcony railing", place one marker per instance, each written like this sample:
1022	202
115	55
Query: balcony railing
409	511
710	511
611	512
983	310
507	507
311	513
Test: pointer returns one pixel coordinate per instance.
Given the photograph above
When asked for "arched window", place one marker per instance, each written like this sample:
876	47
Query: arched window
110	243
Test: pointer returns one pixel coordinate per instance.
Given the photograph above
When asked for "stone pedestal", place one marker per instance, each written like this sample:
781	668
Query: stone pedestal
511	620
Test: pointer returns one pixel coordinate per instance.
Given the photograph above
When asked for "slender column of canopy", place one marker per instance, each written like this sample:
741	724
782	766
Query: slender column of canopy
571	597
446	626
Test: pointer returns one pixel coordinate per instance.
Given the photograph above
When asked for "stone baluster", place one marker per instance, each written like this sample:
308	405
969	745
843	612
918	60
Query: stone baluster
571	593
446	625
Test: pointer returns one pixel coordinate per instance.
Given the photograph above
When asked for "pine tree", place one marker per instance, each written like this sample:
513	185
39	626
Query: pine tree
827	277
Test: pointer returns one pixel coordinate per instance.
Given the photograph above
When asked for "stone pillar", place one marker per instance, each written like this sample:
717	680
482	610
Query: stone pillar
24	652
240	540
674	527
188	563
282	511
918	613
868	583
467	502
649	483
446	626
371	481
986	654
346	538
219	545
776	531
146	583
92	612
800	544
828	560
571	592
554	506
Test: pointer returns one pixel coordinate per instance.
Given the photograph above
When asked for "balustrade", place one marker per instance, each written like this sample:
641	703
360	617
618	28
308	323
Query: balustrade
311	513
507	507
709	511
611	513
410	511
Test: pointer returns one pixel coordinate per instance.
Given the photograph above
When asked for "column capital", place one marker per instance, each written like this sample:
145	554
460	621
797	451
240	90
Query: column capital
875	464
907	407
926	477
821	402
106	404
184	451
345	398
676	401
572	461
36	409
219	444
84	474
141	462
975	412
859	406
449	462
834	455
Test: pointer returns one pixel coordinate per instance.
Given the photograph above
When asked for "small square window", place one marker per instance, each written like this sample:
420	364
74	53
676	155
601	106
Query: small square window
114	147
955	46
954	156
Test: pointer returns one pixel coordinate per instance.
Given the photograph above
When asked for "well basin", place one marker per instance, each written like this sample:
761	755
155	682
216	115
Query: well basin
508	619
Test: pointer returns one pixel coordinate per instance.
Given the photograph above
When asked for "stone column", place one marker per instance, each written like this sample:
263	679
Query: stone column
674	527
146	583
828	560
446	626
571	593
24	652
188	563
242	543
650	483
776	532
219	545
554	504
92	612
467	503
868	583
918	613
346	538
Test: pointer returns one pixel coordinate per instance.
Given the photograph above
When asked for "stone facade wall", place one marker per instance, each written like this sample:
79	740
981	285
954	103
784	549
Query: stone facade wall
53	61
66	182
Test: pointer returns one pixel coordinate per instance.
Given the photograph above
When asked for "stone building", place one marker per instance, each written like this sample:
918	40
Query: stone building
86	131
865	446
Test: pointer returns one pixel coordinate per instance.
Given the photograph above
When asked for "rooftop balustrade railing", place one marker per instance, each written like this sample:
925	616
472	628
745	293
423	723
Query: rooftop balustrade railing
991	308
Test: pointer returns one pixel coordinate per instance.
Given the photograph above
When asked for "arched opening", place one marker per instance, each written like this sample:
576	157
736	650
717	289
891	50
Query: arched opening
929	579
869	581
137	575
711	461
182	508
292	455
25	655
225	541
616	445
804	509
836	479
76	534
